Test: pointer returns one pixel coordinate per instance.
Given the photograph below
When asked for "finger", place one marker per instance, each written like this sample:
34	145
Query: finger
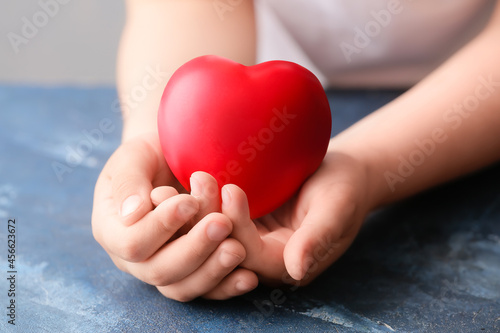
235	206
205	189
320	239
265	256
162	193
217	266
181	257
142	239
238	282
135	165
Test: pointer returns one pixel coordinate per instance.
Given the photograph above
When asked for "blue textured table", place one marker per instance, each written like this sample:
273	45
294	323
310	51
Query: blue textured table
428	264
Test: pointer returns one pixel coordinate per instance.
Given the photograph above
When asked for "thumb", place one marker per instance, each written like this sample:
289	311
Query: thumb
133	169
319	241
263	256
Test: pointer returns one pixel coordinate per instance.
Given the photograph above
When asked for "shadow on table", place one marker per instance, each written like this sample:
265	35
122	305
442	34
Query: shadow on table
428	263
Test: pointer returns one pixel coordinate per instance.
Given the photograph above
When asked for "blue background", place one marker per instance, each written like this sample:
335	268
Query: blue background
428	264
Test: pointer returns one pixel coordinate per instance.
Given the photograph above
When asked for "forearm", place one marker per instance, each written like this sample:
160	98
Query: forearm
446	126
160	36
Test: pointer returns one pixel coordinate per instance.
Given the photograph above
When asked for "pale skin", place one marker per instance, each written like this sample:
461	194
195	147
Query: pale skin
190	245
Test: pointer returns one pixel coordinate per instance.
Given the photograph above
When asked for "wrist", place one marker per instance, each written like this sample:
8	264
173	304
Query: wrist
140	115
371	166
134	126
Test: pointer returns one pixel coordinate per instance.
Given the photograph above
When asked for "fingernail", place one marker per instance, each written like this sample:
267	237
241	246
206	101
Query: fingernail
196	187
226	196
243	286
186	210
306	267
130	205
297	273
301	270
227	259
217	232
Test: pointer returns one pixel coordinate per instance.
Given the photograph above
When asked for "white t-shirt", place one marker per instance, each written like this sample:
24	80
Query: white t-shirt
367	43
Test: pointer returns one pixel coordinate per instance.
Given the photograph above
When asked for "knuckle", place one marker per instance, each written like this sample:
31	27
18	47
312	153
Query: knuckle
183	297
155	279
128	249
170	221
167	226
158	276
122	186
197	252
214	274
120	264
233	246
212	190
176	294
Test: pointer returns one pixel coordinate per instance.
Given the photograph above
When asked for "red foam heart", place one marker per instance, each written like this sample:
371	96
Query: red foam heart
264	128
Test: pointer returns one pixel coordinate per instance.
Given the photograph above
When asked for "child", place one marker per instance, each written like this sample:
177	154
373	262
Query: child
446	125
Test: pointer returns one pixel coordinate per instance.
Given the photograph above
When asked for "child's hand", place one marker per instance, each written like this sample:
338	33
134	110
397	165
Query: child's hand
148	233
306	235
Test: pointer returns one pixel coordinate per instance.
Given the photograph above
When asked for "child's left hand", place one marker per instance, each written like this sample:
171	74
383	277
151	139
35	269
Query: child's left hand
297	242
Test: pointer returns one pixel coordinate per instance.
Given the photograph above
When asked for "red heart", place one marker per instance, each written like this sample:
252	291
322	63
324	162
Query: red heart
264	128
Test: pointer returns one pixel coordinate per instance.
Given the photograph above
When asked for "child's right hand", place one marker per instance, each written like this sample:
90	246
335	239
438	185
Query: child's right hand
155	234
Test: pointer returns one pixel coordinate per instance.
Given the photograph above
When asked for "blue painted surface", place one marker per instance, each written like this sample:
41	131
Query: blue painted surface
428	264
